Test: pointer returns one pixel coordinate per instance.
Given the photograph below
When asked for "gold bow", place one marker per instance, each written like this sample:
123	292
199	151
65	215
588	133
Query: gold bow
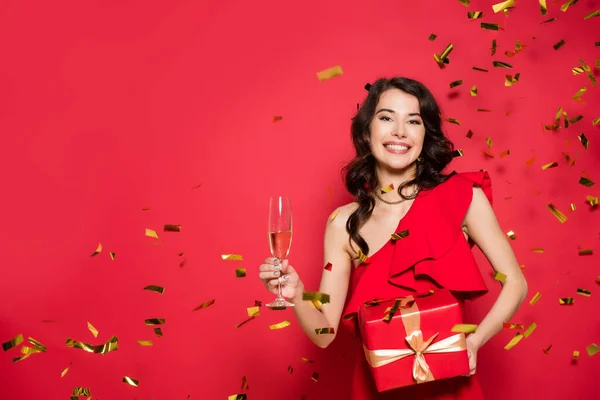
417	345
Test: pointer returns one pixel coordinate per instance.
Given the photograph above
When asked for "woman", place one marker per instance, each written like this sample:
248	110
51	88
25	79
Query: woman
398	140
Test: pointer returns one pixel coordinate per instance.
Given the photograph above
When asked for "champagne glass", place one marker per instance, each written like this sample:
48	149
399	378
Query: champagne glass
280	238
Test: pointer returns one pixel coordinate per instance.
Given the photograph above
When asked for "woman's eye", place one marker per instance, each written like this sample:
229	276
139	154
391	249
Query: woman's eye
385	118
414	122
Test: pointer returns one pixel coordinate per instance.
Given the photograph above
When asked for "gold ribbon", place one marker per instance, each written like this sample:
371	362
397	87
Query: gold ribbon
418	347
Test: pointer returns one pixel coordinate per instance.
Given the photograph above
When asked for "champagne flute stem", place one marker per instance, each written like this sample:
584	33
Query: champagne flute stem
279	296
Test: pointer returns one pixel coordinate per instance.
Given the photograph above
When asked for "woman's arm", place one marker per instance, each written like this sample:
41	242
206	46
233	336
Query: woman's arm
334	283
482	226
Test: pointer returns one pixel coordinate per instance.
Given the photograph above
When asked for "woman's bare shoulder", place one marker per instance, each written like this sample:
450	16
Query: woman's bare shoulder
339	217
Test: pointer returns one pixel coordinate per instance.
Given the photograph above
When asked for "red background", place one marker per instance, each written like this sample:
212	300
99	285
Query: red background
111	106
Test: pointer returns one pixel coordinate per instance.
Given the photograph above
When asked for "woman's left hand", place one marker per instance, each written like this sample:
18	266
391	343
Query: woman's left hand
472	347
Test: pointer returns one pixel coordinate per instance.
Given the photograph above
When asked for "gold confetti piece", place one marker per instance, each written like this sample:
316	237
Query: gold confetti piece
505	153
586	182
253	311
111	345
307	361
573	207
566	301
388	188
232	257
317	304
145	343
575	355
328	266
432	37
580	92
154	288
322	297
240	272
473	92
14	342
584	292
570	161
92	329
509	80
37	345
334	214
330	73
64	371
315	377
130	381
324	331
592	200
480	69
586	252
277	118
29	350
503	6
584	141
442	58
456	83
499	276
489	27
566	6
548	20
518	48
494	47
530	162
244	383
592	349
81	391
464	2
514	341
158	332
547	350
240	396
548	166
280	325
560	216
458	153
508	325
500	64
488	153
530	329
172	228
474	14
112	255
400	235
469	134
511	235
592	14
559	45
244	322
543	7
204	305
488	140
553	127
537	250
391	311
97	251
464	328
154	321
575	119
362	257
453	121
151	233
535	298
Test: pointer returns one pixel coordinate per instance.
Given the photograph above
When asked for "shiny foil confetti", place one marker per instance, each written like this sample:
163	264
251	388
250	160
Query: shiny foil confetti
573	207
559	215
575	356
464	328
592	14
232	257
508	325
543	7
505	153
456	83
474	14
584	141
586	252
499	276
155	288
503	6
509	80
14	342
324	331
488	153
204	305
253	311
391	311
154	321
362	257
81	391
568	4
576	119
535	298
387	188
453	121
592	200
172	228
306	360
290	369
500	64
514	341
111	255
547	350
151	233
442	58
277	118
322	297
245	322
240	396
240	272
580	92
489	27
592	349
559	45
334	214
488	140
473	92
538	250
530	329
480	69
549	20
146	208
400	235
511	235
548	166
280	325
465	2
64	371
110	345
97	251
244	383
317	304
432	37
328	266
457	153
145	343
469	134
494	47
315	377
518	47
566	301
530	162
586	182
330	73
584	292
158	332
131	381
92	329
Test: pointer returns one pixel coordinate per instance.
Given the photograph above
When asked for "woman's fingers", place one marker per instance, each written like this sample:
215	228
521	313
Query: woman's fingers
269	275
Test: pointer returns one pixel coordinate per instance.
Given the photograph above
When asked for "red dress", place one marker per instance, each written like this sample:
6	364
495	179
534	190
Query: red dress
434	255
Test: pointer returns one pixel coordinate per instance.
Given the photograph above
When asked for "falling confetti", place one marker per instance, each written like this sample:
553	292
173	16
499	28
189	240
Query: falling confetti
508	325
324	331
232	257
586	252
322	297
130	381
511	235
559	45
464	328
584	141
145	343
499	276
514	341
64	371
456	83
543	7
328	266
474	14
240	272
586	182
172	228
151	233
110	345
489	27
92	329
154	321
559	215
330	73
566	301
97	251
387	188
535	298
503	6
253	311
592	349
432	37
14	342
584	292
530	329
280	325
473	91
500	64
400	235
548	166
156	289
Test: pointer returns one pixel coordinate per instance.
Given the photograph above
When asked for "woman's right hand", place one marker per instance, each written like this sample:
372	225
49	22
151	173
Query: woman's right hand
274	271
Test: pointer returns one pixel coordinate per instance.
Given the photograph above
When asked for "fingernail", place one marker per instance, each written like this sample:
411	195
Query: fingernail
276	261
276	273
277	267
285	277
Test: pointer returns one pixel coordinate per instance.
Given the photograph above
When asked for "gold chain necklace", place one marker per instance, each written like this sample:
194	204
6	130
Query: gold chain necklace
393	202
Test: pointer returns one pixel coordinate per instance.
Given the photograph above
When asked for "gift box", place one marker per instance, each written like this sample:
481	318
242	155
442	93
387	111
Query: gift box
409	340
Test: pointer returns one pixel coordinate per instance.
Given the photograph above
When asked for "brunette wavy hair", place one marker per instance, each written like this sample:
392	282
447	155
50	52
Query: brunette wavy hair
360	174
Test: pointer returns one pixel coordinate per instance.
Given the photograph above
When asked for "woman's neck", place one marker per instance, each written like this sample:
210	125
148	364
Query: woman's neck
387	176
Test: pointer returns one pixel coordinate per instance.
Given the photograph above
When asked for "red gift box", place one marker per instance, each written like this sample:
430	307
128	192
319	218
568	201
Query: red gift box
416	344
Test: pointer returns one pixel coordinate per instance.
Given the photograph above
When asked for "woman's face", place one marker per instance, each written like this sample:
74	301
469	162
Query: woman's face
397	130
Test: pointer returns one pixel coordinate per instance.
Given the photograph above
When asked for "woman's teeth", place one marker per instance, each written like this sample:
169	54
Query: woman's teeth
395	147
